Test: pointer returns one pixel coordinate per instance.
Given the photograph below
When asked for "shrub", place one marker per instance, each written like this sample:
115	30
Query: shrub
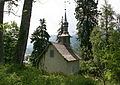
78	80
27	75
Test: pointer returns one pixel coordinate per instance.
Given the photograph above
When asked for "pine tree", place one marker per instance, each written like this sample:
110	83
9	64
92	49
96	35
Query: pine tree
40	40
86	15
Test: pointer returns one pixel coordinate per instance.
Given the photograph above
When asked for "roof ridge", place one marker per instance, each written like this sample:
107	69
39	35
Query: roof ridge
57	43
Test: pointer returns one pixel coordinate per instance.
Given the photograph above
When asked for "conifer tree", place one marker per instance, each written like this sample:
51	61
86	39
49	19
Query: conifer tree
86	15
40	40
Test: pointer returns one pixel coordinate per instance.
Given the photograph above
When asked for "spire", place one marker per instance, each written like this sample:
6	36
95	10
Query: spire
65	19
61	28
65	24
62	21
65	16
65	37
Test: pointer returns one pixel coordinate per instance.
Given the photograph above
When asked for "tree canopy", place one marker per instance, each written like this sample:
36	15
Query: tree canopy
105	40
10	38
40	40
86	15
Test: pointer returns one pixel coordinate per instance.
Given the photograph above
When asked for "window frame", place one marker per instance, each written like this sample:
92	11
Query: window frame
51	53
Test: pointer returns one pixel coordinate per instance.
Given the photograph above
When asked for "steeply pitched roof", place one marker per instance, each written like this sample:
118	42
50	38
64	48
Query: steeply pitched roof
66	52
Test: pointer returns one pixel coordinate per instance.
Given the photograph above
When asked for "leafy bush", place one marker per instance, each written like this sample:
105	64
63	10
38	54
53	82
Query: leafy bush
27	75
78	80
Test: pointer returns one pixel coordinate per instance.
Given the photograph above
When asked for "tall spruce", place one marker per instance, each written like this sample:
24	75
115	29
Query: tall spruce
40	40
86	15
24	32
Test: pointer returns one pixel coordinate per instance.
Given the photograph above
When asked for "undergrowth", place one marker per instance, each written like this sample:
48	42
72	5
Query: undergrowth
27	75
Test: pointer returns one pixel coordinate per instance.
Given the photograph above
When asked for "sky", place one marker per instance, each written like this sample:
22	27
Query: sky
52	11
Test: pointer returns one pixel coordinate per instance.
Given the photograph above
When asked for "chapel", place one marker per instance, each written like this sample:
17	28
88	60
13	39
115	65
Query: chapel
59	57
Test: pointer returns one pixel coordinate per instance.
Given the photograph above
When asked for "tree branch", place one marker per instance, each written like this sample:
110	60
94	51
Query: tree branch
12	13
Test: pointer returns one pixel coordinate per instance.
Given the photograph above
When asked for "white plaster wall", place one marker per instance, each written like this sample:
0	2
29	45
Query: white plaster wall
58	63
73	67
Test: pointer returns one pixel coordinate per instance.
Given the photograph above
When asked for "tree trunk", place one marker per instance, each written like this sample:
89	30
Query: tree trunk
1	31
24	32
103	81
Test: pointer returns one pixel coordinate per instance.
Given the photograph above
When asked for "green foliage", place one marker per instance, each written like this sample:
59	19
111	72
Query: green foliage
112	53
40	39
86	14
12	75
105	41
107	17
10	38
79	80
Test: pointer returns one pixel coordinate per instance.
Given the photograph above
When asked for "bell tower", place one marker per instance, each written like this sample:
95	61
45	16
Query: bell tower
65	36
